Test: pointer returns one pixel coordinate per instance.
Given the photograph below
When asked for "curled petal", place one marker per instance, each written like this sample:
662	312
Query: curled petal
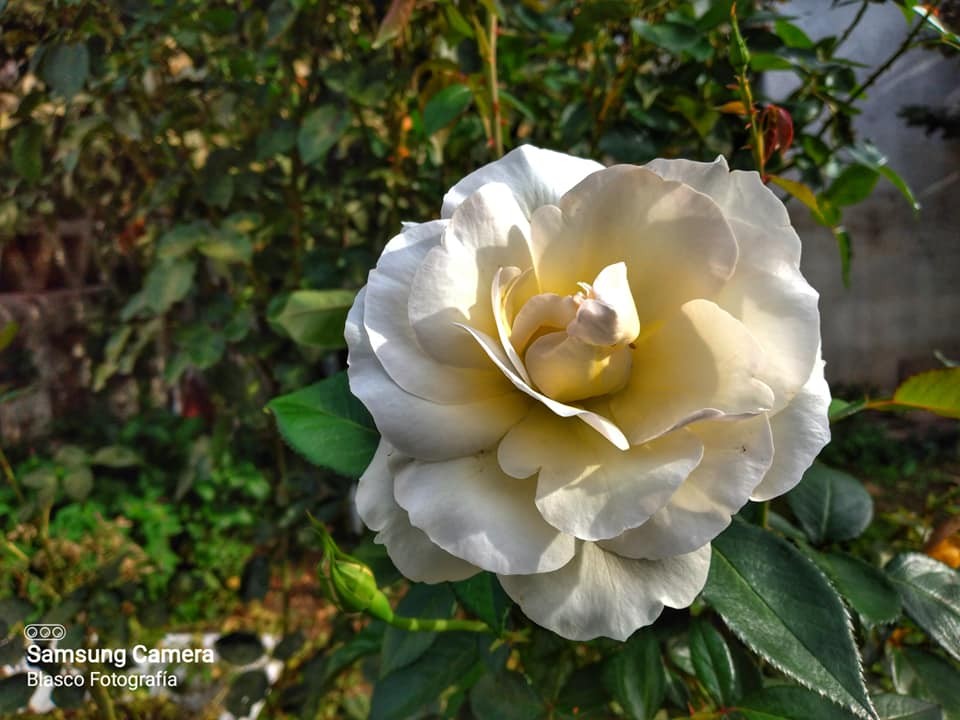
452	285
417	427
699	363
409	548
471	509
675	241
598	422
535	176
600	593
736	455
391	335
588	488
800	431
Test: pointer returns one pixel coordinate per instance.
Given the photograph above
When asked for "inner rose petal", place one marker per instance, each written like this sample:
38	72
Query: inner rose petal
576	346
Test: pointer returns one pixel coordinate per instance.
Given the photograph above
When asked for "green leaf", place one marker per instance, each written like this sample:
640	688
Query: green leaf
840	409
761	62
904	707
937	391
115	456
328	426
714	663
920	674
227	246
791	35
181	240
239	648
401	694
483	596
635	676
830	504
402	647
316	318
868	155
446	105
26	155
786	702
853	185
15	694
505	696
930	592
44	480
673	37
783	608
866	589
78	482
167	283
65	68
320	131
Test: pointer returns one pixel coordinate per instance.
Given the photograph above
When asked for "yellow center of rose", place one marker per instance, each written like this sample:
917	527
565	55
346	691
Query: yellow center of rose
577	346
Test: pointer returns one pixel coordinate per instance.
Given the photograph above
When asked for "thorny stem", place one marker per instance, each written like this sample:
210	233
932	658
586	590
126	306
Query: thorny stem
875	75
852	26
494	84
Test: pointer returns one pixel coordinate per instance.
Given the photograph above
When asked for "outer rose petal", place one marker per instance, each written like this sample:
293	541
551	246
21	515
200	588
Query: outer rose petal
800	432
586	486
471	509
488	231
409	548
392	338
700	363
536	177
736	457
602	594
742	196
675	242
417	427
767	292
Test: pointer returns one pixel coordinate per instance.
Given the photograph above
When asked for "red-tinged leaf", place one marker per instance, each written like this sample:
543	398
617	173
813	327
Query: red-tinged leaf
396	19
777	126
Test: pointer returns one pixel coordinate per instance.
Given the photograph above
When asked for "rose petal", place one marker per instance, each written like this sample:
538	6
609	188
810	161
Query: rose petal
535	176
488	231
674	240
780	309
471	509
392	337
599	593
588	488
418	427
742	196
599	423
409	548
736	456
800	431
700	363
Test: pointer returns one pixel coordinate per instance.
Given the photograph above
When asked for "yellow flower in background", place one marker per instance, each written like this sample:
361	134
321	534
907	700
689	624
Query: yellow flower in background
579	375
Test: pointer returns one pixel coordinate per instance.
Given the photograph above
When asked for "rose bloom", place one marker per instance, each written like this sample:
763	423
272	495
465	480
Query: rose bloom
579	375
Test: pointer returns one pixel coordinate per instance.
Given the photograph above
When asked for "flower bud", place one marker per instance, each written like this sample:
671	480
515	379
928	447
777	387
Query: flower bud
354	589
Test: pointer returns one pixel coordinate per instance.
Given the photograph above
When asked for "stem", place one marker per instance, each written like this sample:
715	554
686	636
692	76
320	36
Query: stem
494	85
875	75
11	478
424	625
756	137
850	28
765	515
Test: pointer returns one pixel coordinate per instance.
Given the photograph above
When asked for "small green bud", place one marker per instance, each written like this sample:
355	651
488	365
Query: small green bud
355	588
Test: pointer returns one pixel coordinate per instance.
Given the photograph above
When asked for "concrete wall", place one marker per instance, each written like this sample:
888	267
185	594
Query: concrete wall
904	299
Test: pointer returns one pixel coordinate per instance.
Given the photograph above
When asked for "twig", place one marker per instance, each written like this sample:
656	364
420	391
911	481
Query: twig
850	28
494	85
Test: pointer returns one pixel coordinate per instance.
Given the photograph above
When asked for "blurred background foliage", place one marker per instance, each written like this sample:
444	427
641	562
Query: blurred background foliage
190	194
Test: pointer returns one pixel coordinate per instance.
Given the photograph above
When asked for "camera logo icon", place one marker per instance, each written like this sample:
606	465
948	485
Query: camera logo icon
45	631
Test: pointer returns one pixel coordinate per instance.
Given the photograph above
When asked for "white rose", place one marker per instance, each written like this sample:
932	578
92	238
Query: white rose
580	374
